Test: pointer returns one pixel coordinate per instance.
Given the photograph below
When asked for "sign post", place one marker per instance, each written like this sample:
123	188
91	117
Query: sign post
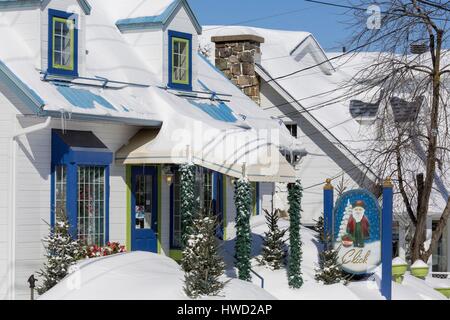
361	231
328	201
386	240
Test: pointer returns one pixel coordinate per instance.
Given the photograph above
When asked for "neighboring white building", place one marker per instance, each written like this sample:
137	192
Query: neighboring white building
311	104
101	101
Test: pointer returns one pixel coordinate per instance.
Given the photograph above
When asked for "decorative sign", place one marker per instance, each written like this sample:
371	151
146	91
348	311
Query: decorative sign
357	231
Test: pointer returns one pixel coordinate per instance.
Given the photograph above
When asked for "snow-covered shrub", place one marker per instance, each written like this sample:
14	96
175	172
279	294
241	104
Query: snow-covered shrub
329	270
201	257
62	252
273	250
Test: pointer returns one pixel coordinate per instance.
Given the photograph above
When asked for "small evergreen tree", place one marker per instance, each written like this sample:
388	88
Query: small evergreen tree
295	278
201	255
243	245
187	197
320	229
273	252
329	270
62	252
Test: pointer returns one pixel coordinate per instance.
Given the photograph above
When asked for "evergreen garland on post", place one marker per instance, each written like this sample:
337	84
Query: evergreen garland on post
201	255
243	245
187	197
295	254
273	251
62	252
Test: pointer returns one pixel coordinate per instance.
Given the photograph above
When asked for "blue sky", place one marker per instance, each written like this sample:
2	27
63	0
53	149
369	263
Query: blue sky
323	21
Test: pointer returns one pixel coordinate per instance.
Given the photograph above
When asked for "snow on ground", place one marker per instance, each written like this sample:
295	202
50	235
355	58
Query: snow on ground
275	282
137	276
148	276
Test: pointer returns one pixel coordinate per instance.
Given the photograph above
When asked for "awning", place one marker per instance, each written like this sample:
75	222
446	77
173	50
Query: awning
81	147
224	151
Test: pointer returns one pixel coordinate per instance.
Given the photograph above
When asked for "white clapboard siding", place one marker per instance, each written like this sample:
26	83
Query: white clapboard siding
33	191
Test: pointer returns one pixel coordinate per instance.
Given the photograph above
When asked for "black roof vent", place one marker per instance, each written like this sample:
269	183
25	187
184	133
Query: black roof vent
405	111
361	109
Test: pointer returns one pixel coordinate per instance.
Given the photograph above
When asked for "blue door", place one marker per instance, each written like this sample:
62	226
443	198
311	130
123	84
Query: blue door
144	215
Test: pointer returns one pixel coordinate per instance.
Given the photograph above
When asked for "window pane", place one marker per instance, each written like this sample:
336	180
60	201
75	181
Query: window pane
63	43
183	48
144	202
60	192
91	205
66	44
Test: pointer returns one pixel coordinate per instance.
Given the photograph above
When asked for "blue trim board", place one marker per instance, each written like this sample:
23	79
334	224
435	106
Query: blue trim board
186	36
159	21
64	15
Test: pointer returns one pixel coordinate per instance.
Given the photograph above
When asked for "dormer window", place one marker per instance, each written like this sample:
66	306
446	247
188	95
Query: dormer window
180	60
63	43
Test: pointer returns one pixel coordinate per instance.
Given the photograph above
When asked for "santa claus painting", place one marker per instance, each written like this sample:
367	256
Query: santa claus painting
358	224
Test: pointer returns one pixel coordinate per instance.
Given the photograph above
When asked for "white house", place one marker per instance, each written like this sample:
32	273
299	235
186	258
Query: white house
296	82
101	101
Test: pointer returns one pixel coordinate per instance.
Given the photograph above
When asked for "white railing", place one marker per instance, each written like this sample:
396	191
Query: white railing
440	275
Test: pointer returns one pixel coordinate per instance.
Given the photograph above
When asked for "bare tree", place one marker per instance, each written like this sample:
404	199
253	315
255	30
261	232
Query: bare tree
407	73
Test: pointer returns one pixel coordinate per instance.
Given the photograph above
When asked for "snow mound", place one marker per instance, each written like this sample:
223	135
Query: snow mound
419	264
137	276
398	261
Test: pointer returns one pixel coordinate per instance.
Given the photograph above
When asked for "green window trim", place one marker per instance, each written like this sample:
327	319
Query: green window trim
185	81
71	25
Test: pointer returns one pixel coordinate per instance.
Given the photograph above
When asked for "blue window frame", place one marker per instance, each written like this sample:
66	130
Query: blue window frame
180	60
62	43
80	184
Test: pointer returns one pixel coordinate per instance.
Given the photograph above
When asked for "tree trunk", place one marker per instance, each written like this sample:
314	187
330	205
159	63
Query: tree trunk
422	212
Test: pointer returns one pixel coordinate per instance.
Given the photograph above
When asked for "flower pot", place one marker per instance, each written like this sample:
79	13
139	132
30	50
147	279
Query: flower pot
419	272
444	291
398	271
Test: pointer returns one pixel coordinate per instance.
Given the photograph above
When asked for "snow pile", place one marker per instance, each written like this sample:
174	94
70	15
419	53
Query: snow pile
419	264
398	262
137	276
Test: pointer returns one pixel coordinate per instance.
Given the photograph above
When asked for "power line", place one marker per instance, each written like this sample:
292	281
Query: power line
343	6
259	19
333	58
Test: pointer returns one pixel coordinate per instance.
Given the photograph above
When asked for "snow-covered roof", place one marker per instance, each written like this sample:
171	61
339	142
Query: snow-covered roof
143	14
140	97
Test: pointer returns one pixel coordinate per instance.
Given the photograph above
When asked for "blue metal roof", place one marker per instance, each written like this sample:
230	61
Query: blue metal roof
220	112
83	98
159	20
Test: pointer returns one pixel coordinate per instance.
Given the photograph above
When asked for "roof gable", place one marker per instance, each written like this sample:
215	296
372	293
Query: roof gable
160	20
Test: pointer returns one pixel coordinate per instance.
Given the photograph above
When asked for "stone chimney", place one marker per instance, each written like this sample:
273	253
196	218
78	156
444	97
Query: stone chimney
236	57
